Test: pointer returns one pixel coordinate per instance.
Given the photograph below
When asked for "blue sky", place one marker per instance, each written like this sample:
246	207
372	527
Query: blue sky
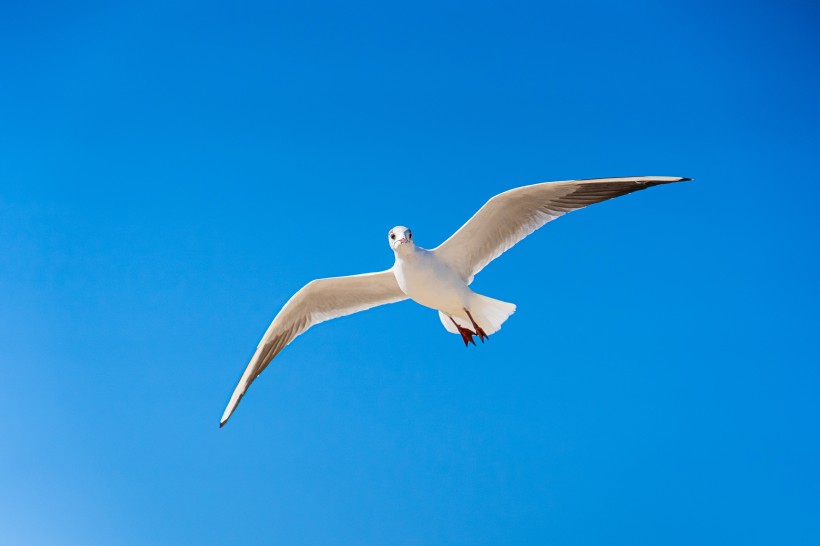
171	173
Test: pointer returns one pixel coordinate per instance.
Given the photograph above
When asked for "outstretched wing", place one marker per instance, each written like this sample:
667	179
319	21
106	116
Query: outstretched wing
316	302
510	216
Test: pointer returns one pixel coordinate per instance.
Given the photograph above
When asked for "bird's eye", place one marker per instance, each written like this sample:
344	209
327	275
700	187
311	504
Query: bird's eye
409	234
392	235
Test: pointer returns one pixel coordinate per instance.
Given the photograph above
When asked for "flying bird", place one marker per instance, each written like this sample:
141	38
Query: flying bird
439	278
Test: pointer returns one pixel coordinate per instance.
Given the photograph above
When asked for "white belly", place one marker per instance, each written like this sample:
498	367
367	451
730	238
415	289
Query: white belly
431	283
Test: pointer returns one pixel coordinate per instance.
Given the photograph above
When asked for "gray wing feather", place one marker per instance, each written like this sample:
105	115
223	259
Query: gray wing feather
510	216
316	302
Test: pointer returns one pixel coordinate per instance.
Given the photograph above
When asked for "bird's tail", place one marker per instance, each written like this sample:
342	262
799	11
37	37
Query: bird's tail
488	313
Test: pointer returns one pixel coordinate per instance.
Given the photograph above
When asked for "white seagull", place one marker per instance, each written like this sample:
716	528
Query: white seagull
439	278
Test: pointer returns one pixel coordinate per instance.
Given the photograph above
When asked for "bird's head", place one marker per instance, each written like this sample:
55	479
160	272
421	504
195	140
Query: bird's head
400	239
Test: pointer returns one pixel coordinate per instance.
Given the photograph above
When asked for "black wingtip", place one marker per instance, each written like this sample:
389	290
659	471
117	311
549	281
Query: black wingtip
685	180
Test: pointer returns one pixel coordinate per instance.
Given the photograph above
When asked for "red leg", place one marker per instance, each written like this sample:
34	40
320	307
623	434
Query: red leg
466	335
478	331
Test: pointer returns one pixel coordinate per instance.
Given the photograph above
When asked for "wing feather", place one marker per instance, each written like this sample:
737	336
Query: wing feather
510	216
317	301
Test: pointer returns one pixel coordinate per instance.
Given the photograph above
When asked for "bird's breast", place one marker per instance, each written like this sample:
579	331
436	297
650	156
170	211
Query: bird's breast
430	282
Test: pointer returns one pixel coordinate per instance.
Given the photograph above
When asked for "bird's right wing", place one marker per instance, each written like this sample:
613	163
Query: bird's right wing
510	216
316	302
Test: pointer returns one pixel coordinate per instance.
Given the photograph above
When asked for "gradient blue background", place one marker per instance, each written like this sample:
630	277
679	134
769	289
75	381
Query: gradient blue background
170	174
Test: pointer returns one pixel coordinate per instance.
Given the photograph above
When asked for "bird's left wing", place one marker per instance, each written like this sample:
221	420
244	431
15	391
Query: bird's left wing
510	216
317	301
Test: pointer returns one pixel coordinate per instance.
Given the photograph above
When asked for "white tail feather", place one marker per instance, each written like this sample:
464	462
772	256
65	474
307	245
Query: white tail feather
488	313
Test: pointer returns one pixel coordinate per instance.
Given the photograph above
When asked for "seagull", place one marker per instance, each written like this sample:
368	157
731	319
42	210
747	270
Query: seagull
440	278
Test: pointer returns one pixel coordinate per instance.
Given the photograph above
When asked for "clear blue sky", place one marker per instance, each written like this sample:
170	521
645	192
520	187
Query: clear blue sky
171	173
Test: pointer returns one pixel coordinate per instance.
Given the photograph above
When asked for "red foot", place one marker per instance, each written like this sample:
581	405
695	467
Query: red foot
478	331
466	335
